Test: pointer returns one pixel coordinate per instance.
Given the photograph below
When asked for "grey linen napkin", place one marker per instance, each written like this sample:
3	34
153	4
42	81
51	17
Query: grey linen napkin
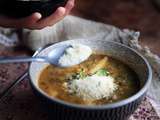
8	37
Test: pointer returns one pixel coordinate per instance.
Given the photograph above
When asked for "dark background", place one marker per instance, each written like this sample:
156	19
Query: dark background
141	15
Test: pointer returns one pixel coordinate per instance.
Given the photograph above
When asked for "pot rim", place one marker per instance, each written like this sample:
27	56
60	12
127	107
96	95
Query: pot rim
120	103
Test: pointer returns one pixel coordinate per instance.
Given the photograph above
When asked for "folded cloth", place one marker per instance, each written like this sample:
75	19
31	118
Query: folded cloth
73	28
8	37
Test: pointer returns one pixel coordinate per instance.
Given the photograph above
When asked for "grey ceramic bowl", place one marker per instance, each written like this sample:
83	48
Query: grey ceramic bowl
120	110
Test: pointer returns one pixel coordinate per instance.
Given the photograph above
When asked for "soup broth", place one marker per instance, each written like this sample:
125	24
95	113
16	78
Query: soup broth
52	80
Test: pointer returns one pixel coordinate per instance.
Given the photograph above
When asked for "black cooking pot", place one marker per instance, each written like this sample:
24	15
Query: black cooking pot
19	9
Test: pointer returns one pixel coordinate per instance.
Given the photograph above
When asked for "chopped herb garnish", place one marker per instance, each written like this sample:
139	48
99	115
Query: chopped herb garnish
79	75
82	74
102	72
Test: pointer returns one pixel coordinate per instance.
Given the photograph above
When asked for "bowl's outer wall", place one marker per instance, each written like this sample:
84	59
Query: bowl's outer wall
58	111
121	112
19	9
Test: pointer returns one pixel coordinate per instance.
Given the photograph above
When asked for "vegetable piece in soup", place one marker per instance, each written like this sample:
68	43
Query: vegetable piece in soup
99	80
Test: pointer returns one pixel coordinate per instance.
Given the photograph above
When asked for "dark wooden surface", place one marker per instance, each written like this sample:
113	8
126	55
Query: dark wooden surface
139	15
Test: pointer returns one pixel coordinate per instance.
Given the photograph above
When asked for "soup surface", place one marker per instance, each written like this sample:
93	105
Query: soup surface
52	80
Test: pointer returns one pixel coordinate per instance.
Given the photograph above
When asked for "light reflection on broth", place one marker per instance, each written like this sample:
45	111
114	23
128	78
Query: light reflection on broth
52	80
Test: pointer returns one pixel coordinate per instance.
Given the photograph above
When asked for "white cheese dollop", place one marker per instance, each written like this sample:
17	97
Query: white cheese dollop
93	87
75	54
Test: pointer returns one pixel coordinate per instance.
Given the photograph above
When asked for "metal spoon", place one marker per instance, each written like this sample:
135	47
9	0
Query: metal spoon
52	58
20	78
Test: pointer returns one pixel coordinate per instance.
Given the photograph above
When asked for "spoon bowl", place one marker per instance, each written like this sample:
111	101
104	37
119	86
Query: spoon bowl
52	57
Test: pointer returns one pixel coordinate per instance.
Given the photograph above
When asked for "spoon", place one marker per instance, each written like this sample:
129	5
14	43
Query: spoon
52	58
20	78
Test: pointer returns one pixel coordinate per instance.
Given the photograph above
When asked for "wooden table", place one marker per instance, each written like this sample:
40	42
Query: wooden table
139	15
134	14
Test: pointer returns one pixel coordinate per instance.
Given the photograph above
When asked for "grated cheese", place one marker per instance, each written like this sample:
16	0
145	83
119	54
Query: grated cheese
93	87
75	54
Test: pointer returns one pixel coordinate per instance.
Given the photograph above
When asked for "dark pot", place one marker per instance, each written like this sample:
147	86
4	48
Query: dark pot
19	9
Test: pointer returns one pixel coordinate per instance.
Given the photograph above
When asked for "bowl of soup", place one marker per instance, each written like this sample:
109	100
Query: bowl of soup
24	8
109	85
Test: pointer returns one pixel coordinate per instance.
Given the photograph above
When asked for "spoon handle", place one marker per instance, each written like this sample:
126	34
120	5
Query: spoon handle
21	59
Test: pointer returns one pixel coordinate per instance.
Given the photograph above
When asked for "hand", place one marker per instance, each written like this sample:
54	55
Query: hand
35	21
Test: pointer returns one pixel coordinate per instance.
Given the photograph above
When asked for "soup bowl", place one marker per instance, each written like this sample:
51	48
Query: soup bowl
22	8
120	110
